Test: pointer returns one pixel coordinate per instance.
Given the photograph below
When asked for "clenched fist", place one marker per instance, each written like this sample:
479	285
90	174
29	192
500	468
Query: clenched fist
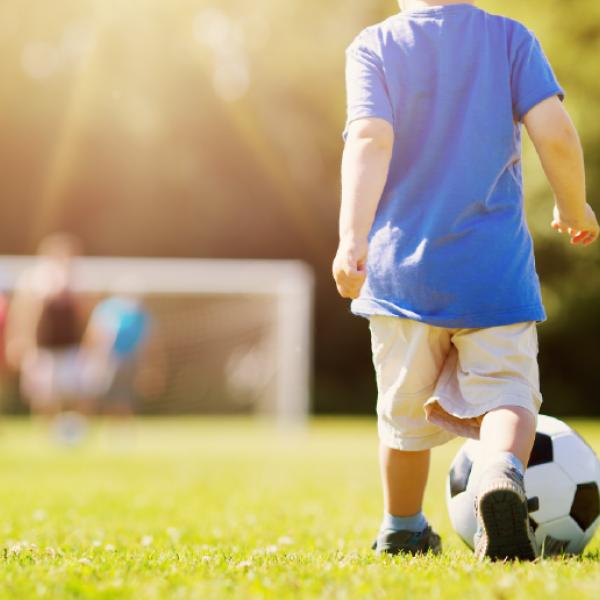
350	267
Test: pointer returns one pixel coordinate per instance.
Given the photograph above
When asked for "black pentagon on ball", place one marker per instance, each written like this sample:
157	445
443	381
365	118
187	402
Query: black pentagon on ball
586	504
542	452
459	474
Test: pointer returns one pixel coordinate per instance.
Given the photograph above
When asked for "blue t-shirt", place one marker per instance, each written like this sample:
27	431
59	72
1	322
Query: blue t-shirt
449	245
125	320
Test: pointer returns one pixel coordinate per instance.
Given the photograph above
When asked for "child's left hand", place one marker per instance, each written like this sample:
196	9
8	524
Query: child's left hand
583	231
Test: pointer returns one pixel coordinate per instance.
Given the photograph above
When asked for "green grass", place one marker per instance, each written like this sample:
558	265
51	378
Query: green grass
209	508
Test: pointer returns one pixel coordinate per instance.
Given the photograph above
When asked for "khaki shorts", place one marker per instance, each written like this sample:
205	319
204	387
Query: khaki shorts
436	383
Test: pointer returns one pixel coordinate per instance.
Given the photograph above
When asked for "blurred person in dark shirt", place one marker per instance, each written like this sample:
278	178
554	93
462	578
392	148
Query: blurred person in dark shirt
45	327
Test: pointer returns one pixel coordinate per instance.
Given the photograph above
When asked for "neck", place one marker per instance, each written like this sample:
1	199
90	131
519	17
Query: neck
415	4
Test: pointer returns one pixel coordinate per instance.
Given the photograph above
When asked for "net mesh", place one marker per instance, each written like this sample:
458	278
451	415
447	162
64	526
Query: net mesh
216	354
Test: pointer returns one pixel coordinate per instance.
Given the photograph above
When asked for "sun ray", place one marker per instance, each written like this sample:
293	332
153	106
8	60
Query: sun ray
65	155
313	231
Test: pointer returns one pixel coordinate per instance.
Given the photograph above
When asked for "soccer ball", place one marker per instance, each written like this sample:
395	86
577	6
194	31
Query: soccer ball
563	473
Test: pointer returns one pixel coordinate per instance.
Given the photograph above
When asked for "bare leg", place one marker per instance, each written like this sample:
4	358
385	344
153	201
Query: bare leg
403	477
508	429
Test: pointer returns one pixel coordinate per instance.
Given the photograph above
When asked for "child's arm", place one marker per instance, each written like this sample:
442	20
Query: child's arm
557	144
365	165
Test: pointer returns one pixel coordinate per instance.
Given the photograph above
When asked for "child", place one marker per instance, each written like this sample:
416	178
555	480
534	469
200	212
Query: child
432	192
123	359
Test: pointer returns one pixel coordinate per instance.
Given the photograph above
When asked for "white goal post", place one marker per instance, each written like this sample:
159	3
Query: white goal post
287	285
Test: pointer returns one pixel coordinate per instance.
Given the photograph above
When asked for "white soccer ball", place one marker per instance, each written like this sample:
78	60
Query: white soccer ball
563	473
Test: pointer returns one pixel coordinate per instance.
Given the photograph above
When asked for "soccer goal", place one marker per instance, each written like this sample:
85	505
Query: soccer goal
235	336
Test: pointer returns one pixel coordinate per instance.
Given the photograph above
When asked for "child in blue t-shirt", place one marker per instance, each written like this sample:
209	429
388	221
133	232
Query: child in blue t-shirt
432	194
117	343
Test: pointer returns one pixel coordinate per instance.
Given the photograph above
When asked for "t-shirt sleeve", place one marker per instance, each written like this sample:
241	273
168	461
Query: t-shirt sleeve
366	90
532	77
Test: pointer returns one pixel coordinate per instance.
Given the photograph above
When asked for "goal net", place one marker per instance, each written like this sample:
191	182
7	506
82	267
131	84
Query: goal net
233	336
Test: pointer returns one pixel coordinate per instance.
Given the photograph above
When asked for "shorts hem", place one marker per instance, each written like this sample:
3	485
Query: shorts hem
391	439
521	400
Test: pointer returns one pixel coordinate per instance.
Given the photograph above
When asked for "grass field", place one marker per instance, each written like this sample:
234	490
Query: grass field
209	508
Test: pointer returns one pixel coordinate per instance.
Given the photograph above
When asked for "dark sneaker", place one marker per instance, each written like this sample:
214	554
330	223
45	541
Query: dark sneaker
503	527
408	542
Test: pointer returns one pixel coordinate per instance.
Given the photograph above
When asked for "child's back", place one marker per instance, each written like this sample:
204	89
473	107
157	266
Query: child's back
449	245
434	249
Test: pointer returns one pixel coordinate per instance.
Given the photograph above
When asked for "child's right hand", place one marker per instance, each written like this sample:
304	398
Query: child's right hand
350	268
582	231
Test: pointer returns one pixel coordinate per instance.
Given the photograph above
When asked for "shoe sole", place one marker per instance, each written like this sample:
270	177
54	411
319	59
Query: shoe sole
502	510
